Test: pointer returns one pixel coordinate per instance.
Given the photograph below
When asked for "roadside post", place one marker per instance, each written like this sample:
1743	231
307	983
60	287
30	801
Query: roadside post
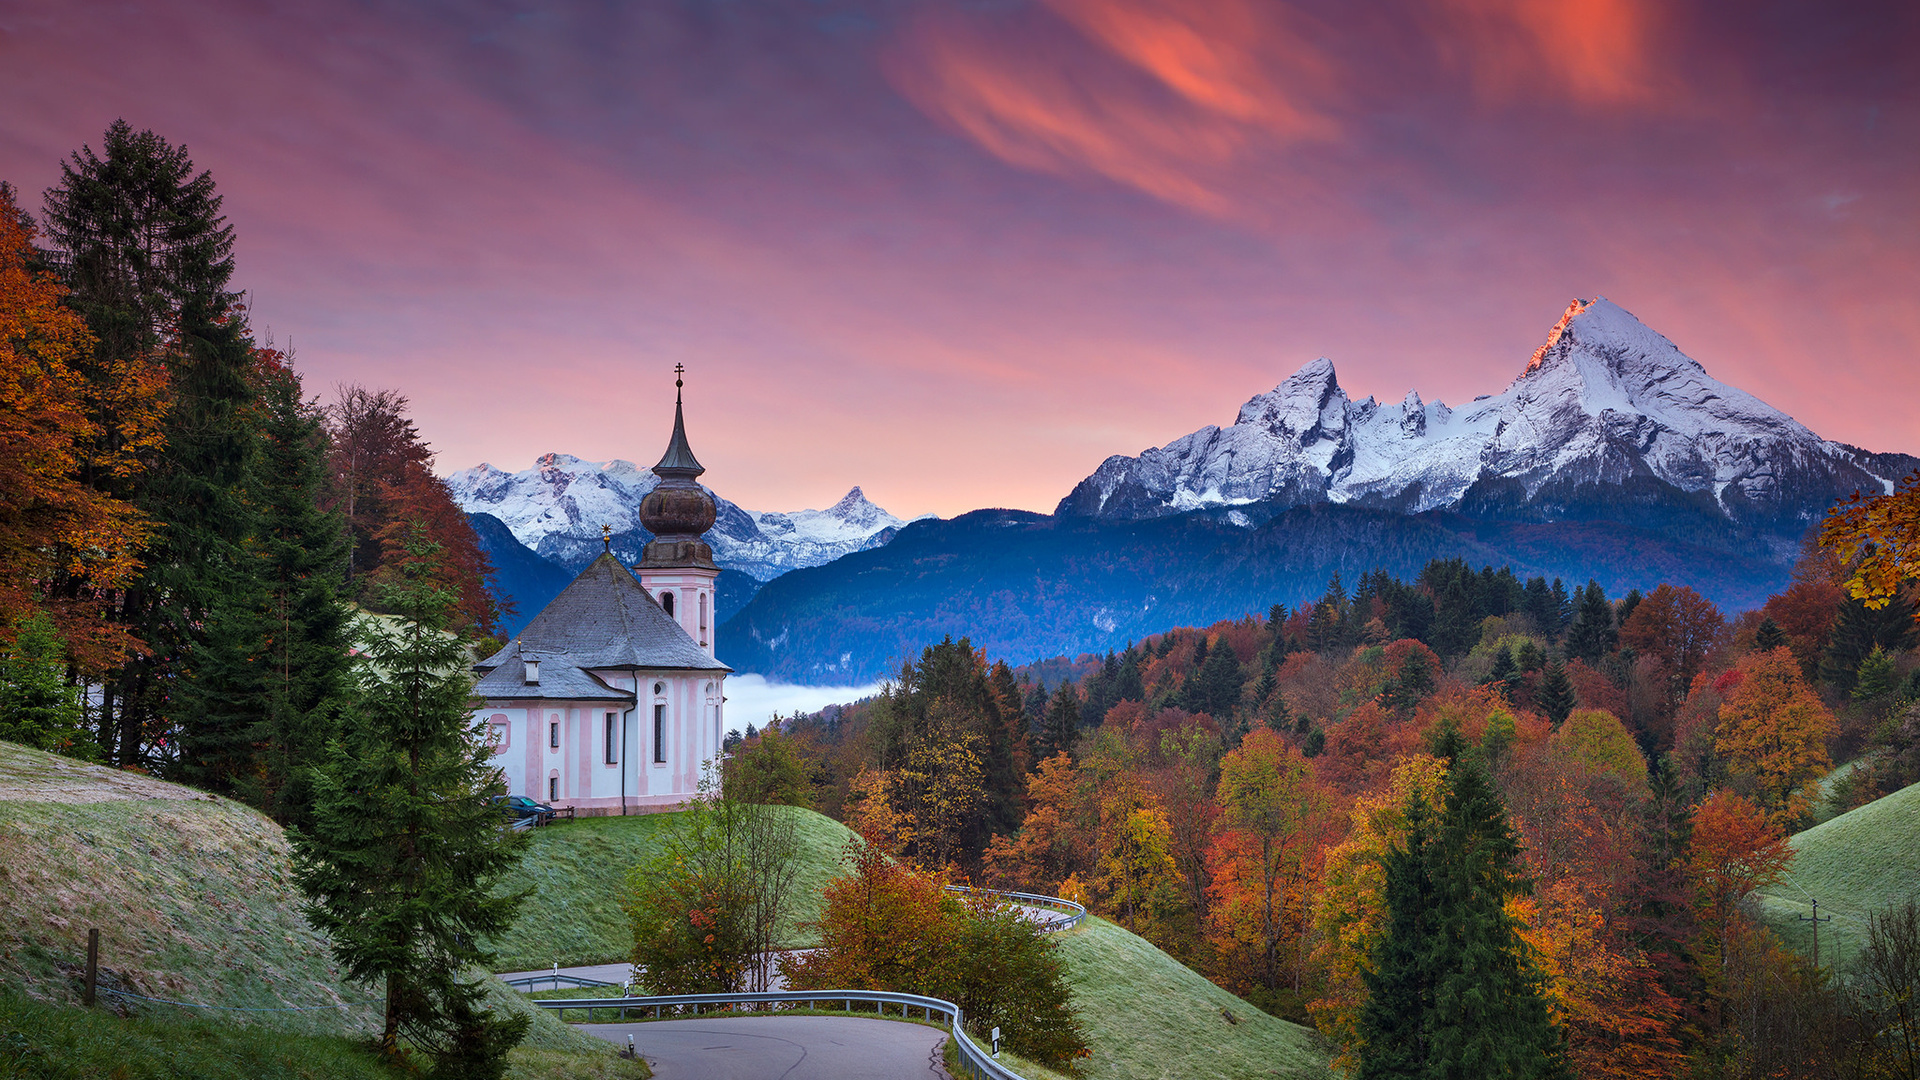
93	967
996	1042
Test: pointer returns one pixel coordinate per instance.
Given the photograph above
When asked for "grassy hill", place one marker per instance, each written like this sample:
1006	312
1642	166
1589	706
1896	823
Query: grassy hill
1148	1016
194	899
578	872
1857	864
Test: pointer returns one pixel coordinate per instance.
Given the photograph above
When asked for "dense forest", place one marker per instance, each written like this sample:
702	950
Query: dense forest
1236	794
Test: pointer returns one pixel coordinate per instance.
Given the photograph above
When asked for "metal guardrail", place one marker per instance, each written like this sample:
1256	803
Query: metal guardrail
525	983
1074	912
976	1061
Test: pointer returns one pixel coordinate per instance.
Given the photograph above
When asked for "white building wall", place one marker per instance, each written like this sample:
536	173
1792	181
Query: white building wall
577	774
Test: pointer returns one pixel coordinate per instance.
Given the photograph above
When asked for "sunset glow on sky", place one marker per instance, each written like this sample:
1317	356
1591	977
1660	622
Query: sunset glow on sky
958	253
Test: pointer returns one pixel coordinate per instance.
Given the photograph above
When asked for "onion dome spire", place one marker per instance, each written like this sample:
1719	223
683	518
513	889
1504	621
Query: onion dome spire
679	459
678	510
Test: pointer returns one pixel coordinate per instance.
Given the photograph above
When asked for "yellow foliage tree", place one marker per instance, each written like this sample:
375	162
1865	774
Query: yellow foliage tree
1350	913
1880	537
1774	730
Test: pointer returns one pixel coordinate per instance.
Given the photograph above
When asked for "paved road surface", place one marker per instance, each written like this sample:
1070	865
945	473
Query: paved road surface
783	1048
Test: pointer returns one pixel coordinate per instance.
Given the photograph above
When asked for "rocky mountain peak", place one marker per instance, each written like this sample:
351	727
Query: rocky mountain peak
1304	406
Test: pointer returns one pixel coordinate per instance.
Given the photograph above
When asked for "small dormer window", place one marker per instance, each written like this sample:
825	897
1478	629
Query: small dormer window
533	673
666	602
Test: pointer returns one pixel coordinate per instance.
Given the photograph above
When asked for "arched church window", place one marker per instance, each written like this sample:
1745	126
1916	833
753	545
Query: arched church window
666	602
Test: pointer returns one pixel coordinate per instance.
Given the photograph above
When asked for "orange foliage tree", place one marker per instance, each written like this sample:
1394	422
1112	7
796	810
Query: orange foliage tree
1676	625
1272	821
1054	838
1735	849
1775	731
53	525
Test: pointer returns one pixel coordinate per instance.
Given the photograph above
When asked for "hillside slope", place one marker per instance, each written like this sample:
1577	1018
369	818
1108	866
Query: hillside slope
1147	1017
578	874
194	899
1858	864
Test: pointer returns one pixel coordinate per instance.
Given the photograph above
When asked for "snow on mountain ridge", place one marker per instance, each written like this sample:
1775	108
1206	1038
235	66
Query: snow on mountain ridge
557	508
1604	399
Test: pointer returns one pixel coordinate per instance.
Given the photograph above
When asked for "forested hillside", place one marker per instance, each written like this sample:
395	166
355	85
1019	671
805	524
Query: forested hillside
1232	793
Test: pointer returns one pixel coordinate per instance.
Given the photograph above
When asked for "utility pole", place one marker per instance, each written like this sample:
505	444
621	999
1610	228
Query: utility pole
1816	920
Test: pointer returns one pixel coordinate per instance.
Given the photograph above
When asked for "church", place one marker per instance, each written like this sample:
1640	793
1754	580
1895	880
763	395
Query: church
610	700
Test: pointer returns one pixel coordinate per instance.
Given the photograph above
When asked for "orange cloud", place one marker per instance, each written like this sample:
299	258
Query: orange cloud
1169	96
1597	52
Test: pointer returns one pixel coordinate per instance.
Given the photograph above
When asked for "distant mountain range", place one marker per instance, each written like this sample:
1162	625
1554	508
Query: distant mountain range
1612	455
543	525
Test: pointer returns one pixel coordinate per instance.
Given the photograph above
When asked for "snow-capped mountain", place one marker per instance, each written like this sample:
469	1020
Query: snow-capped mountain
1605	405
558	506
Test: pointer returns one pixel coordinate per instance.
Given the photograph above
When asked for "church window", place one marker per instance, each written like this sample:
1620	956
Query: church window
666	602
659	733
553	736
612	758
703	617
553	788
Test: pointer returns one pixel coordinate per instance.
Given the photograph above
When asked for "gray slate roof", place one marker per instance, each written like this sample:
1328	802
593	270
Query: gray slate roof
605	620
561	679
679	456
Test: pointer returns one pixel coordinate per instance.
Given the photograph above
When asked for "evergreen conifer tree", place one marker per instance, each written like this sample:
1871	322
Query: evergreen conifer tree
1127	686
1453	991
401	863
1061	727
147	258
1876	677
1592	634
1214	687
1768	636
1503	671
1555	696
37	707
1410	684
1859	629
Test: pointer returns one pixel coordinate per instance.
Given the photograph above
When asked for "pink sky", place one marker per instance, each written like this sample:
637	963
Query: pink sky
958	253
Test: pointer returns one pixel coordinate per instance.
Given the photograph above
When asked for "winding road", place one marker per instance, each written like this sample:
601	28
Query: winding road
783	1048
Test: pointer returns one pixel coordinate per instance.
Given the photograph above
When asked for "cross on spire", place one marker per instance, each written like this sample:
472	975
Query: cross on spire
678	371
606	536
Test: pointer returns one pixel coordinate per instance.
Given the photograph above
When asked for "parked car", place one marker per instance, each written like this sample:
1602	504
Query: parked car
522	808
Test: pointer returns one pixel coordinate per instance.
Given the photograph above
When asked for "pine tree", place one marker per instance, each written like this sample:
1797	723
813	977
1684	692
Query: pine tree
1876	676
1503	672
1127	686
1061	727
1592	634
147	258
37	707
1410	684
1860	629
1555	696
1214	688
1452	988
401	864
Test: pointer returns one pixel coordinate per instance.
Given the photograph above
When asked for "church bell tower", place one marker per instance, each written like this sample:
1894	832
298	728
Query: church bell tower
676	568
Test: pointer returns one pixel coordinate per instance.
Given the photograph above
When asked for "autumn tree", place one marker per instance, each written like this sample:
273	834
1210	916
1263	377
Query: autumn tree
381	478
1349	910
1271	825
64	542
1879	539
1677	626
887	926
1774	731
1054	840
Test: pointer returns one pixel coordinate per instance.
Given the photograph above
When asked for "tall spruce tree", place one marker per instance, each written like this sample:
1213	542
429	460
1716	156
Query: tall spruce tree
1060	729
304	677
405	851
1453	992
1555	695
1592	634
147	258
